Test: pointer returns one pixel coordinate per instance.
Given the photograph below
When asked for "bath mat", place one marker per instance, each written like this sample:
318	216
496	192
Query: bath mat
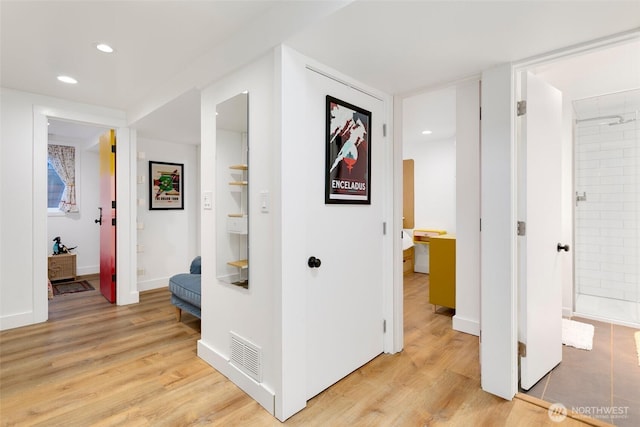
637	337
577	334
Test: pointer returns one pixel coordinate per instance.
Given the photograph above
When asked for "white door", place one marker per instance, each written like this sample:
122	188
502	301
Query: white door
344	292
540	287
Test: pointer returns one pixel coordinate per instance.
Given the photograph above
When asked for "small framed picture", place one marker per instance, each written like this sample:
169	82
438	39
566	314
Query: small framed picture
348	158
166	185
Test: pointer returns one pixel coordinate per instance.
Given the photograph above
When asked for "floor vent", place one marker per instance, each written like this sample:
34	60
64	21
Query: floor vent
246	356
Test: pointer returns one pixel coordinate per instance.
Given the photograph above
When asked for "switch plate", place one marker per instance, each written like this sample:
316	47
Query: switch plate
207	200
264	201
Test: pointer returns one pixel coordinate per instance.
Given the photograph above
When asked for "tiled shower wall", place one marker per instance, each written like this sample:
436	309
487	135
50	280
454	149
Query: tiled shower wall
606	164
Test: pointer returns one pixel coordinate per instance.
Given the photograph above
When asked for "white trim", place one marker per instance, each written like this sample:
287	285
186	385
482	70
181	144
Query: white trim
258	391
469	326
41	114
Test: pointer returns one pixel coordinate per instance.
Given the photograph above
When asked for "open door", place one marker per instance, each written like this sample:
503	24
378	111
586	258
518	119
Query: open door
539	216
108	215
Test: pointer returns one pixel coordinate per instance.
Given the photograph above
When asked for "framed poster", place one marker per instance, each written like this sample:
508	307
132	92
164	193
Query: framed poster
166	181
348	159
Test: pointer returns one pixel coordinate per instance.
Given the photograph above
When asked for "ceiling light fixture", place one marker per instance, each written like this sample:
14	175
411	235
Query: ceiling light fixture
426	132
103	47
67	79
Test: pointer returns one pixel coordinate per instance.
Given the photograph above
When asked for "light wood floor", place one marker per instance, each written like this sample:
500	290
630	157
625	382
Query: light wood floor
94	363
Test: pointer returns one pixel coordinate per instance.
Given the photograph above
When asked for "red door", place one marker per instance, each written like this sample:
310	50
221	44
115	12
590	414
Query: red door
108	207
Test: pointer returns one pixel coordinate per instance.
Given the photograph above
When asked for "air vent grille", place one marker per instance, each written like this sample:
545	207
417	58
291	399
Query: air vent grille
246	356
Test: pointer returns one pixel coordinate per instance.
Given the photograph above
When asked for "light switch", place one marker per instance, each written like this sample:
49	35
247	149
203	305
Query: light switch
207	200
264	201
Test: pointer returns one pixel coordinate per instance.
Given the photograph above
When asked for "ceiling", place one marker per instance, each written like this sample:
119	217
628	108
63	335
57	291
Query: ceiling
166	51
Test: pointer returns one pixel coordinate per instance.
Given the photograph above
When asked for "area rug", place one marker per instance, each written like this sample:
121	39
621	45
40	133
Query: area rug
577	334
71	287
637	337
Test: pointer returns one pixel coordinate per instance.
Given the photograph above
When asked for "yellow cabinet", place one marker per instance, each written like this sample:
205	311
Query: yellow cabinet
442	270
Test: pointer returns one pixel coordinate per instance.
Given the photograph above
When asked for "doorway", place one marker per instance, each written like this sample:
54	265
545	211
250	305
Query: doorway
77	228
602	71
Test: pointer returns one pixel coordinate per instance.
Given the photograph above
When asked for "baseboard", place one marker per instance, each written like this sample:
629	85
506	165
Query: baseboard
257	391
17	320
421	268
148	285
466	325
88	271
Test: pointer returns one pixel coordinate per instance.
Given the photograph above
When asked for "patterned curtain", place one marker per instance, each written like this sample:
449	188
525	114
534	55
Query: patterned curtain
63	161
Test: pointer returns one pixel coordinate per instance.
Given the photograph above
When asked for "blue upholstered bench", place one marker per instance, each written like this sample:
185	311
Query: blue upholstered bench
185	290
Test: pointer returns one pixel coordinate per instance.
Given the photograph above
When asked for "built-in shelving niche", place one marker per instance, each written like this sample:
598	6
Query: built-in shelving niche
232	191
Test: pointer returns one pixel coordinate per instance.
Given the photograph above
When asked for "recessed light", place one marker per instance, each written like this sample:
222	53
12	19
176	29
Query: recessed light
426	132
67	79
103	47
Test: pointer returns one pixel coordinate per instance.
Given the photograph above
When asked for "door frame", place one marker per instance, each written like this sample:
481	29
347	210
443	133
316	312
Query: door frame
499	280
126	291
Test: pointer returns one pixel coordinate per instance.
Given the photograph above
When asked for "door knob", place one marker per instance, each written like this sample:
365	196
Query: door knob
314	262
99	220
562	247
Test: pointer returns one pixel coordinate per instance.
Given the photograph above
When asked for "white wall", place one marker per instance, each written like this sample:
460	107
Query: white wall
467	317
250	313
78	228
23	216
167	241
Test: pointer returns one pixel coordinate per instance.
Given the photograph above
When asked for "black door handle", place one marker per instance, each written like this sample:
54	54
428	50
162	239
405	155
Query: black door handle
562	247
99	220
314	262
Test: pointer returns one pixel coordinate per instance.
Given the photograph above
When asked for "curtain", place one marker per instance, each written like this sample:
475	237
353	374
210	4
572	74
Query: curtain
63	161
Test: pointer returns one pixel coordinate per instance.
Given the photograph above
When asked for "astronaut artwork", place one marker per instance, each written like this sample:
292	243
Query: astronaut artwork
348	155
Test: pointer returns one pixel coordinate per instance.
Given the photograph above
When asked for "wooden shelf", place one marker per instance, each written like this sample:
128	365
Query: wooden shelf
239	167
239	183
236	215
242	263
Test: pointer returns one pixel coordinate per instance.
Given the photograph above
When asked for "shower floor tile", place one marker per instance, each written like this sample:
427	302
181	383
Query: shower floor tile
603	382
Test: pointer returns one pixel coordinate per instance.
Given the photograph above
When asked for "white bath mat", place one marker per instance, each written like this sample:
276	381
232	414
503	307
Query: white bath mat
637	337
577	334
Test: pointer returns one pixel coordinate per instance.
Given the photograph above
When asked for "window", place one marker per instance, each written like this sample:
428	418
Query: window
55	187
62	178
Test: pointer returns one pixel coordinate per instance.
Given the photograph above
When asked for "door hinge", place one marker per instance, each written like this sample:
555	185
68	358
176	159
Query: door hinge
522	228
113	277
480	109
480	224
384	129
522	349
113	221
384	228
522	108
384	326
113	148
113	204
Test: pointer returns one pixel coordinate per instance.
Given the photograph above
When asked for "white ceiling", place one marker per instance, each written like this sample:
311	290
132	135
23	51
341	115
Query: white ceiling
167	50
